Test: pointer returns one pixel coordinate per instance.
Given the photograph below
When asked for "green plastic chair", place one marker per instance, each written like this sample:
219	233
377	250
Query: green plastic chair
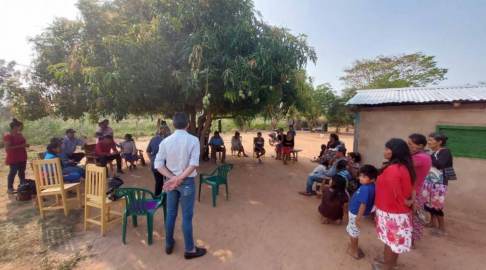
221	178
138	205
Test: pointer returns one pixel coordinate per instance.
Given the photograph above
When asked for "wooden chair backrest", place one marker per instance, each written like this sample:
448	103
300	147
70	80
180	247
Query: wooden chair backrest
48	174
90	149
95	183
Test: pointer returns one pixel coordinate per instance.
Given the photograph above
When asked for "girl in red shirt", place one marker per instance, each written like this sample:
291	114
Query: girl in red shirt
15	145
393	201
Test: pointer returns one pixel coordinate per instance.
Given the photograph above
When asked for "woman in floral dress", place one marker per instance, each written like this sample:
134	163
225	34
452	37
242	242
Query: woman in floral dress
435	185
393	200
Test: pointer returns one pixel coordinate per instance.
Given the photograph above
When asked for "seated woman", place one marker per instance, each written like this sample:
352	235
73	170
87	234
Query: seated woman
331	146
69	174
353	162
236	144
287	147
258	145
278	147
333	200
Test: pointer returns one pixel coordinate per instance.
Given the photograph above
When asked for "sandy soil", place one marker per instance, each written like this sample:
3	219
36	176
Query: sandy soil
266	224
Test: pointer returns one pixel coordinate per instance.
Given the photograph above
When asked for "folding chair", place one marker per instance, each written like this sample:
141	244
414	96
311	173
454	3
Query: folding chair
49	181
96	197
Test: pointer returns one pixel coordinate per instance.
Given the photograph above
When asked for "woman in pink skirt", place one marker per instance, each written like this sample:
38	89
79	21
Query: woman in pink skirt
422	163
393	201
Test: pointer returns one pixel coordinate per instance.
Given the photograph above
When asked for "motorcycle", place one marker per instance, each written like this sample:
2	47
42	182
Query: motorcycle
272	138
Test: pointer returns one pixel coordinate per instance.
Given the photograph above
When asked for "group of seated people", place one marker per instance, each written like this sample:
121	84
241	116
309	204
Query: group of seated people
284	146
106	150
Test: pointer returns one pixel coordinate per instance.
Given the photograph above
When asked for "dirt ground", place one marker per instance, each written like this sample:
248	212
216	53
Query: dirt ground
265	224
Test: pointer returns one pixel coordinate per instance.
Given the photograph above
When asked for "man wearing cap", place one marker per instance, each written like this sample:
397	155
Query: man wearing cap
69	144
318	177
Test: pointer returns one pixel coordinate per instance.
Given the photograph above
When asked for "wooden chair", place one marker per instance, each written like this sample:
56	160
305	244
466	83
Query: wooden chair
90	152
49	181
95	196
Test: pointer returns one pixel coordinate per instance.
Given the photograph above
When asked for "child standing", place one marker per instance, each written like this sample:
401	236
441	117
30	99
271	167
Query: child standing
361	205
333	200
129	151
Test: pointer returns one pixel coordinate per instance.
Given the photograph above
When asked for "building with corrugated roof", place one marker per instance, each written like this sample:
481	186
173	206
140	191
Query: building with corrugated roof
458	112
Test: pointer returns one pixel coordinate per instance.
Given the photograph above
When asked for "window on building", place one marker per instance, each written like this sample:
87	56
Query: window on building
465	141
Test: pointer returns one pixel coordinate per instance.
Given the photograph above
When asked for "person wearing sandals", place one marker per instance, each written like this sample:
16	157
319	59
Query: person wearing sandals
258	144
435	185
392	200
236	144
422	163
360	206
287	147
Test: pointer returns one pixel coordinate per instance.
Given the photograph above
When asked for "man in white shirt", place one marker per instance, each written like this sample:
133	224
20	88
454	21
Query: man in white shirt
177	160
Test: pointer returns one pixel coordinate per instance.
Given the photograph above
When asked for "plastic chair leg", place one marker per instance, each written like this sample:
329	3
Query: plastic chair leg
150	228
124	227
134	220
215	193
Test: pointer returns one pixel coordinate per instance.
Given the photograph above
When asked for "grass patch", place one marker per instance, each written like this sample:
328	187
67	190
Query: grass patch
71	262
56	229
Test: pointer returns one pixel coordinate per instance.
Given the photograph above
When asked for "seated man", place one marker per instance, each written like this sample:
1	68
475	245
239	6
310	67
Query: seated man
69	144
217	145
318	177
104	154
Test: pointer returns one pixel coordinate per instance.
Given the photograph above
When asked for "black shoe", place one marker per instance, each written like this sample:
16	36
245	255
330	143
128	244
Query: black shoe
199	253
168	250
134	166
120	171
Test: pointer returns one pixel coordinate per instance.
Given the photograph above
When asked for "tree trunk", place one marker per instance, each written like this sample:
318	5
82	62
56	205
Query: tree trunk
202	136
274	123
193	121
297	125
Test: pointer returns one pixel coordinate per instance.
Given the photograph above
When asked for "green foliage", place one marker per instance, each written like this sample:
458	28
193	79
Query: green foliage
405	70
133	57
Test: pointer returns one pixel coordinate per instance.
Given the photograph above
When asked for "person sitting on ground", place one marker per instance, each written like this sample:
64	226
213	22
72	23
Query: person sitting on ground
340	155
69	174
69	144
278	147
104	154
129	151
236	144
217	145
292	130
103	130
360	206
333	200
321	154
258	146
287	147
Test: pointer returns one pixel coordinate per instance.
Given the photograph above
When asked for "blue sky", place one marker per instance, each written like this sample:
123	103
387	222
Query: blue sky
341	31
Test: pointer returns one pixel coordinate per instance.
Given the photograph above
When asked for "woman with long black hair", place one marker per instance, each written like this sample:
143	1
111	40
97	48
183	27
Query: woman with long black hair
392	200
16	158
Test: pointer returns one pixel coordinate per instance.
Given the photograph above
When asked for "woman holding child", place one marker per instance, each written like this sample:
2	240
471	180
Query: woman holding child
393	192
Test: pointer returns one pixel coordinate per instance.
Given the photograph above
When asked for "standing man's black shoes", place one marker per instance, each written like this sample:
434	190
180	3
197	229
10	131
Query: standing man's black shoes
199	253
168	250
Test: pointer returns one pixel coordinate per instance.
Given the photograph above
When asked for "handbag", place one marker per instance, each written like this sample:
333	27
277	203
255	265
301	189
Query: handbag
423	216
450	174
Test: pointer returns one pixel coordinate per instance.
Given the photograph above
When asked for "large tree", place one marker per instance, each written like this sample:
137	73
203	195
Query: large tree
404	70
209	58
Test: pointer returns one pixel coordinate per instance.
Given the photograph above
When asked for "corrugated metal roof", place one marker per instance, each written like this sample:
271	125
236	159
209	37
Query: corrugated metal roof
419	95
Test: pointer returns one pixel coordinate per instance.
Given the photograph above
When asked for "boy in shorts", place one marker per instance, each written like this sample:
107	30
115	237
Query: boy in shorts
361	205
